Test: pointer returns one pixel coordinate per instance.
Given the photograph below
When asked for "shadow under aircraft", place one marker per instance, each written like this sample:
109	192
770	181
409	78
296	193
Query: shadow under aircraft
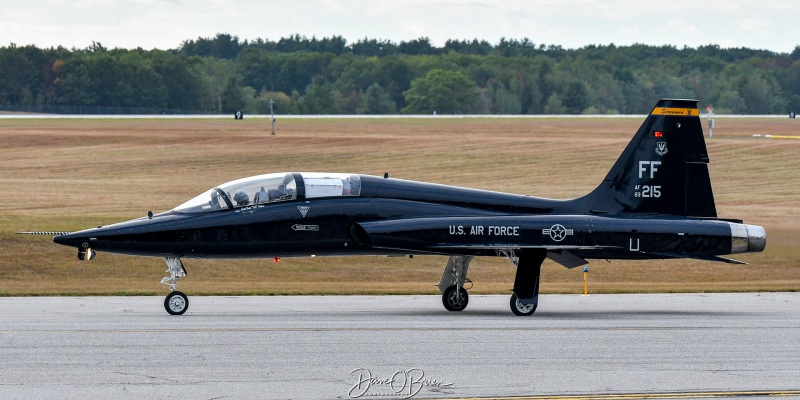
655	203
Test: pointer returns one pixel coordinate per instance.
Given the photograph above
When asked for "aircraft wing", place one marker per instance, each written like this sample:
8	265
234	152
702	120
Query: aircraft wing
474	235
560	254
566	238
519	246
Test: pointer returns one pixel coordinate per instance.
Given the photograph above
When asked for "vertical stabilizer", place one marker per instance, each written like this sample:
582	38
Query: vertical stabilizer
663	170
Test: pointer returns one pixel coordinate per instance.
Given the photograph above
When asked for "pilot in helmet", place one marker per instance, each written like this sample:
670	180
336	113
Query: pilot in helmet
241	198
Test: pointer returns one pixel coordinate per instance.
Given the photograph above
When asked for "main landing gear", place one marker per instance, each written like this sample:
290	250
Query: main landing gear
526	283
518	308
176	303
525	297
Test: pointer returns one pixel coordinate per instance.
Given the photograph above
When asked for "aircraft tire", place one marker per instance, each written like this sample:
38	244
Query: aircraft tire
451	301
520	309
176	303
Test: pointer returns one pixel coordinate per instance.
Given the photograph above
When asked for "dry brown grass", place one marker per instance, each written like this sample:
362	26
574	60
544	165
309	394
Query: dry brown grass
73	174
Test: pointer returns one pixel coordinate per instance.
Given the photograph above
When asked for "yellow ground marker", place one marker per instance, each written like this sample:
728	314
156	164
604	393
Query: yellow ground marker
776	136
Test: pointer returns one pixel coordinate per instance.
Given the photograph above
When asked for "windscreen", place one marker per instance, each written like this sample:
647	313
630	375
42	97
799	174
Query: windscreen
243	192
208	201
270	188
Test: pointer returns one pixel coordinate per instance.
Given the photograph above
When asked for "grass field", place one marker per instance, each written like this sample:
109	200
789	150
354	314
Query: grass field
67	175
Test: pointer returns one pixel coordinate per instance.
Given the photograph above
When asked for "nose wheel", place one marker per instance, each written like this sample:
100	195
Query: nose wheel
176	303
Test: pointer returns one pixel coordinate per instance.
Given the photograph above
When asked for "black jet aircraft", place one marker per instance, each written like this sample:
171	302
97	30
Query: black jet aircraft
655	203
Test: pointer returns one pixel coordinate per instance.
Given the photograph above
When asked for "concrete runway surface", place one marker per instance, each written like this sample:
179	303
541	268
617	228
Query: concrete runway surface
312	347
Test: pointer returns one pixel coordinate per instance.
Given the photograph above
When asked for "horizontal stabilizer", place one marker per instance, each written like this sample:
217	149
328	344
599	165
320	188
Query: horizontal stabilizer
704	258
721	259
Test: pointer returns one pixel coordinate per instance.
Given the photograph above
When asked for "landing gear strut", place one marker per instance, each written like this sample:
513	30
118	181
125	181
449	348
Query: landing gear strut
176	303
451	285
526	284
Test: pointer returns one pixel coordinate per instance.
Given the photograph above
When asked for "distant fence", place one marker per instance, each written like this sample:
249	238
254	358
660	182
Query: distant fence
98	110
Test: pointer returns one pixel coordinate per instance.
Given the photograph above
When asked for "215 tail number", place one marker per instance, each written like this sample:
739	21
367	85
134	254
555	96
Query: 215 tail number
648	191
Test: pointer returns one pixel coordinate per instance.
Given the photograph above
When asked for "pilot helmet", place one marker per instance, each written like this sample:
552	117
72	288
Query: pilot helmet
241	198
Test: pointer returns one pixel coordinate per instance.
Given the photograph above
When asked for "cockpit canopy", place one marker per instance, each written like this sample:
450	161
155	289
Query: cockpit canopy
270	188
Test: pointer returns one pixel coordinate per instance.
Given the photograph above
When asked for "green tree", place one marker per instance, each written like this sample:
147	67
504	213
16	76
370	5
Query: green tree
373	47
505	100
730	102
762	97
138	84
216	74
282	103
395	77
19	74
221	46
376	101
299	69
417	46
793	85
503	77
531	98
441	91
319	99
575	97
346	102
553	105
76	86
259	68
182	81
234	97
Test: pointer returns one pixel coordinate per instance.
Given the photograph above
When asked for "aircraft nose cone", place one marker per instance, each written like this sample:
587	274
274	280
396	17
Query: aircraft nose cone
60	239
71	239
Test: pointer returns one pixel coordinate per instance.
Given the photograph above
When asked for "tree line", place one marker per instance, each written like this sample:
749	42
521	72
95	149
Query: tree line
303	75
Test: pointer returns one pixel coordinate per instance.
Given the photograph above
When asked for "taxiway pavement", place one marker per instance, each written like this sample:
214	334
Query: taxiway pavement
321	347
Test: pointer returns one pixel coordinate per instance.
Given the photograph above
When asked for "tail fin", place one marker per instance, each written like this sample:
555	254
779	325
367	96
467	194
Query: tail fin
664	169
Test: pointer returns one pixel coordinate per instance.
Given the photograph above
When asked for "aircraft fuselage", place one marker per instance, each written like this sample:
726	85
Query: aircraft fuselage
398	217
